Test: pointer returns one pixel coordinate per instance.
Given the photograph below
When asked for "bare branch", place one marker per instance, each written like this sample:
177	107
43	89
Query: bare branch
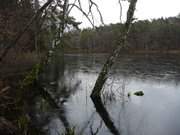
90	12
71	7
84	13
120	15
99	12
79	2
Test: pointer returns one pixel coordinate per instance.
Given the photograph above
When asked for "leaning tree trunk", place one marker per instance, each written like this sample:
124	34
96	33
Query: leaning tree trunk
103	75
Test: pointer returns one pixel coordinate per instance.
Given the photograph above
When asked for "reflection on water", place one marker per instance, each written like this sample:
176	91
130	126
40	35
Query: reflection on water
101	110
70	86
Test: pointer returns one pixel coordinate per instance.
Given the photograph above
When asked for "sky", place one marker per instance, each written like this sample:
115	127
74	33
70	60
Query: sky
145	9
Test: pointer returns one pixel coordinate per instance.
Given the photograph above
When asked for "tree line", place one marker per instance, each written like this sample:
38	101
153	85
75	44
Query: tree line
156	35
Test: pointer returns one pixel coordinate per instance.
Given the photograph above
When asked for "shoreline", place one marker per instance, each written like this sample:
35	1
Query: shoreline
176	52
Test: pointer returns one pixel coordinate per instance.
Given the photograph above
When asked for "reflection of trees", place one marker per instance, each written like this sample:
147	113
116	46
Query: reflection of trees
104	115
156	67
61	110
115	88
97	129
57	103
86	124
145	67
57	86
64	77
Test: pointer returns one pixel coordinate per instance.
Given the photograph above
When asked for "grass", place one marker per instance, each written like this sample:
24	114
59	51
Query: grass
70	131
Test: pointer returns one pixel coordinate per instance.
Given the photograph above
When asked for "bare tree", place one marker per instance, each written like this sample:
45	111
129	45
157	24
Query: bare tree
103	75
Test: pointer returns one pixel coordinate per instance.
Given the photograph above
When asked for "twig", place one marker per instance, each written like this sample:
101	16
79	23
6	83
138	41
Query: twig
99	12
120	16
84	13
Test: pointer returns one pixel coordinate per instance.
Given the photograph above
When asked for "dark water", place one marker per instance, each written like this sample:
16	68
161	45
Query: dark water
71	81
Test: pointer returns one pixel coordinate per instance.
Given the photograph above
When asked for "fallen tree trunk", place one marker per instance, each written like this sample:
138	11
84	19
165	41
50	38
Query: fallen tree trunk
111	60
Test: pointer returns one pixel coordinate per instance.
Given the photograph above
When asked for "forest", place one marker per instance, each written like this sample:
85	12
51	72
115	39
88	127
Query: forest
57	78
155	36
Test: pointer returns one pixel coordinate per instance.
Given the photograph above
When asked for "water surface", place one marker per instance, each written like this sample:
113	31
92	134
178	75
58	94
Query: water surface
71	81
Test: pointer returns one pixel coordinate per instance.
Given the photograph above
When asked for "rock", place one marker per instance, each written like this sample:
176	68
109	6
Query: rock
139	93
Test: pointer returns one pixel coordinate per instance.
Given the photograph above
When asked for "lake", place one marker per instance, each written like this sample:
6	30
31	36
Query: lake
70	83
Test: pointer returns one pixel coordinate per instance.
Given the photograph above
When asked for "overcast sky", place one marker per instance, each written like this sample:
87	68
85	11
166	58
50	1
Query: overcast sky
146	9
